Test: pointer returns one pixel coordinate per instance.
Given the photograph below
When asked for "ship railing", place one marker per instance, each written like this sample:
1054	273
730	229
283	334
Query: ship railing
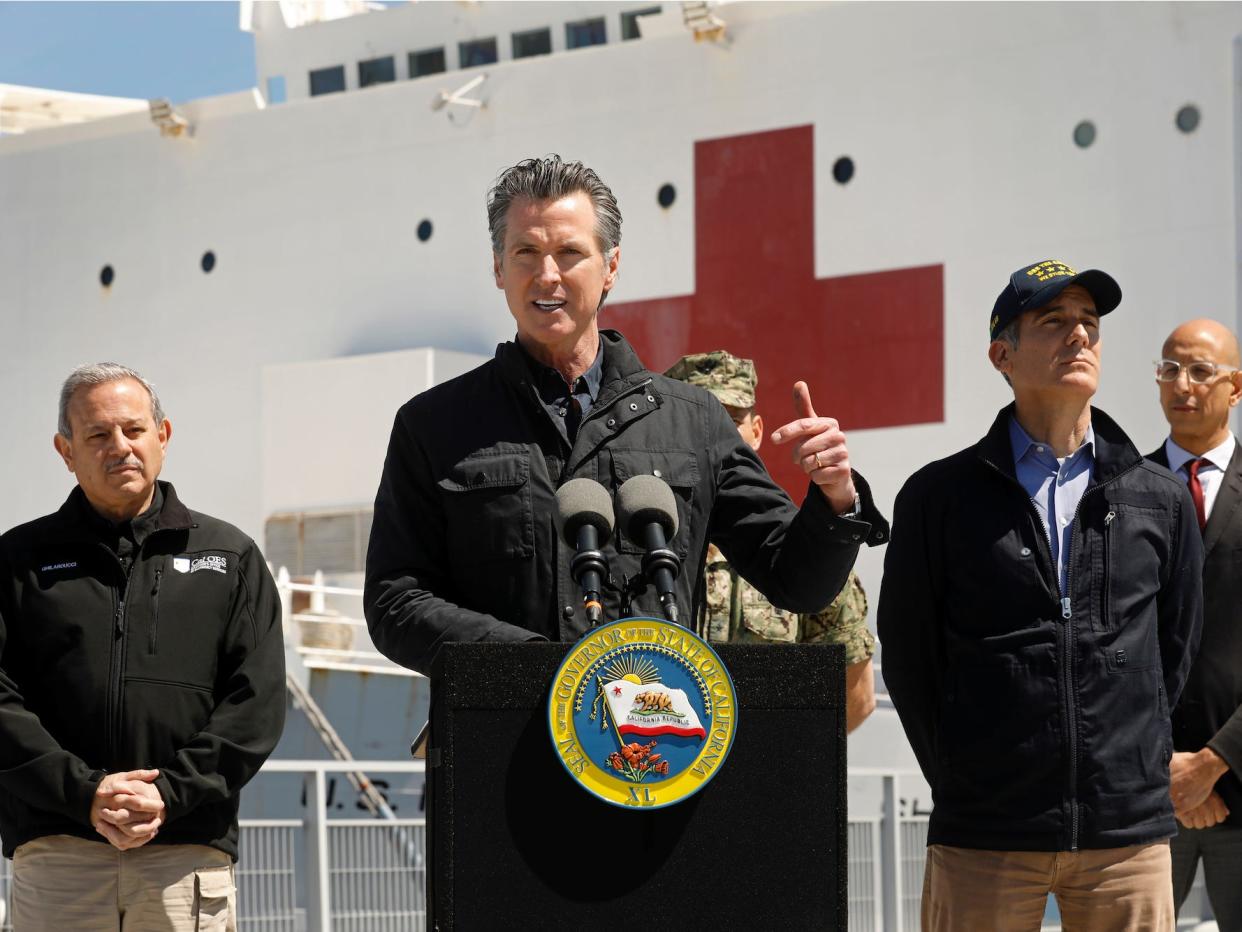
324	625
322	872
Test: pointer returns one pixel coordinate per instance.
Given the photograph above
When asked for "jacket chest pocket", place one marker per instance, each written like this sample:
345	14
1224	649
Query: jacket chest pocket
1134	535
185	601
487	508
679	468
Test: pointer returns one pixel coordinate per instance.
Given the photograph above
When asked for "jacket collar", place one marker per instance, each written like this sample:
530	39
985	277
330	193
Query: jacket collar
1114	453
73	517
621	365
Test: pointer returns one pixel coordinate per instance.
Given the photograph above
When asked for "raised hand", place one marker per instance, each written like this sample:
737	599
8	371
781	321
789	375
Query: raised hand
819	449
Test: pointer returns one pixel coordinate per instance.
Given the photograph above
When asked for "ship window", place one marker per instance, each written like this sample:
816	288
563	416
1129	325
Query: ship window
1187	118
376	71
427	61
424	231
208	262
843	169
1084	134
629	21
585	32
666	195
327	80
532	42
476	52
276	89
106	275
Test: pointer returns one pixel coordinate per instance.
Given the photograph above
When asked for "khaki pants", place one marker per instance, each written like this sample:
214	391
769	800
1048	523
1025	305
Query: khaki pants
1103	890
67	884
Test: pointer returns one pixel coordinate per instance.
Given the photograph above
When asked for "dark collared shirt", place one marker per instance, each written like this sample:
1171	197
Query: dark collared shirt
567	404
124	538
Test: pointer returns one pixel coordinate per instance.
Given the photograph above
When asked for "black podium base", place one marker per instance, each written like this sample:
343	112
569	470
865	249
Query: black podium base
515	843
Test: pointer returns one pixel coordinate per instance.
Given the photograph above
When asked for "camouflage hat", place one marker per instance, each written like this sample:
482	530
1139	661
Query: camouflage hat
730	379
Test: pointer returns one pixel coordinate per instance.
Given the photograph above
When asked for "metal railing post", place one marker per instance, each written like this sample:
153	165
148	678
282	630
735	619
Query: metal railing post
318	902
890	856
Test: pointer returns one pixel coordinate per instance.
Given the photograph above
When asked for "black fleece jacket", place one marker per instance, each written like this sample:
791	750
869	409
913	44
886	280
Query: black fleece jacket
177	664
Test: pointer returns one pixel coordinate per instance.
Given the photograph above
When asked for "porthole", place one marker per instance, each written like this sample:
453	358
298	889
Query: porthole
106	275
424	231
1187	118
1084	134
843	169
666	195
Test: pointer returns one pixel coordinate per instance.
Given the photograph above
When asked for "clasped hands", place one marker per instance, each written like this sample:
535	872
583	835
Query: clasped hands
127	808
1192	776
819	450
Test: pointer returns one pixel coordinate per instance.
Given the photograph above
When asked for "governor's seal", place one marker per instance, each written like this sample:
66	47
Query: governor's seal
642	713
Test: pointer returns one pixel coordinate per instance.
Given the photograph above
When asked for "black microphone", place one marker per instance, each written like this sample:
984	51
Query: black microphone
584	515
648	514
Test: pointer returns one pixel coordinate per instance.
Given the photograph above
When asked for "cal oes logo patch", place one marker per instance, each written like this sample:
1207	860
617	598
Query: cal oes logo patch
642	713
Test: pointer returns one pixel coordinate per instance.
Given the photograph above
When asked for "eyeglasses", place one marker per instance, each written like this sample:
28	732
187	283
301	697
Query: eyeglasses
1200	373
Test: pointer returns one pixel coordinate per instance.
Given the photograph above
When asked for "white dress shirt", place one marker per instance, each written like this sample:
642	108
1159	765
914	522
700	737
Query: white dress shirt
1216	461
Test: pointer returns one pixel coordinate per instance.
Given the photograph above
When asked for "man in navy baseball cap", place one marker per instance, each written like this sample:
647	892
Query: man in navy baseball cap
1037	285
1039	611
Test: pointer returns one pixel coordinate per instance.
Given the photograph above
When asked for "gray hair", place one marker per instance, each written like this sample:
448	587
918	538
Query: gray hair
100	373
550	179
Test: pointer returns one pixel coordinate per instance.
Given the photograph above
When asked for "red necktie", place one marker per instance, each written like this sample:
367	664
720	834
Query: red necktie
1196	492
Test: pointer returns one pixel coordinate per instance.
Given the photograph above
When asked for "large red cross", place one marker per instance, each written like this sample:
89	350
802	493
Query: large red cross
870	346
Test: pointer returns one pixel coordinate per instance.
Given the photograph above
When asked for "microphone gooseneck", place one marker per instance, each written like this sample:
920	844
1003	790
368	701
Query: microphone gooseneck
585	519
648	513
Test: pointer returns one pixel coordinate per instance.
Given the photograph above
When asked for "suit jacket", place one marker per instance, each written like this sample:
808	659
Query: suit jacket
1210	710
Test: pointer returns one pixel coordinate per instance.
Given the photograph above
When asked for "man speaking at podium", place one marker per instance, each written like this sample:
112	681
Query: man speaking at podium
464	545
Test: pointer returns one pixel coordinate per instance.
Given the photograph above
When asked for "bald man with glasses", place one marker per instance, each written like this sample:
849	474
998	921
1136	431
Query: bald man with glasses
1199	386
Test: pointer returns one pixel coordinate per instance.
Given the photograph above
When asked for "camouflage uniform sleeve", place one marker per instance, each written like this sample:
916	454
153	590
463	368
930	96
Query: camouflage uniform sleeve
842	622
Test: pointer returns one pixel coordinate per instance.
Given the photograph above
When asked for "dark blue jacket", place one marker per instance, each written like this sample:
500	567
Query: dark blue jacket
1041	723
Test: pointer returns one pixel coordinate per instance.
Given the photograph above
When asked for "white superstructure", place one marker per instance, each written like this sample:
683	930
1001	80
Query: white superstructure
249	253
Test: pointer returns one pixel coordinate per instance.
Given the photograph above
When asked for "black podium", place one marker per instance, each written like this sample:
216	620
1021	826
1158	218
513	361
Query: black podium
515	843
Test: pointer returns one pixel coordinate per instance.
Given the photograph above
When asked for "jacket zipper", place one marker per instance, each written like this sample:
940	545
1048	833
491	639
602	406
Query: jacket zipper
114	686
113	709
1107	587
155	608
1067	615
1067	641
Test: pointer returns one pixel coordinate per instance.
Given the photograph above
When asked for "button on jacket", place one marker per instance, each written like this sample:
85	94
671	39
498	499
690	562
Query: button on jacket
464	544
1041	719
175	662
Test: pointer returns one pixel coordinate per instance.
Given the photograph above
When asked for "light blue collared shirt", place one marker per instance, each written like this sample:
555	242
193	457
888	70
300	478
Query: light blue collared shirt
1055	486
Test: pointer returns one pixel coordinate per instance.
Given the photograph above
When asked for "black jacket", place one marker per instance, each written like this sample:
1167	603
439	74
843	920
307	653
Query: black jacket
464	544
1209	713
1041	724
180	668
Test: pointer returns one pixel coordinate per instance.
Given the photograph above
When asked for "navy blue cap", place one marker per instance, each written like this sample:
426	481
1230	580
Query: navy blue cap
1037	285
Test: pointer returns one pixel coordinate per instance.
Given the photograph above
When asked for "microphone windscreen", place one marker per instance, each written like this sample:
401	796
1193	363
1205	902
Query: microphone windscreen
642	500
583	501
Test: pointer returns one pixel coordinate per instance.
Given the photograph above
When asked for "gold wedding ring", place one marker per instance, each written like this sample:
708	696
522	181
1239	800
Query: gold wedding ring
818	464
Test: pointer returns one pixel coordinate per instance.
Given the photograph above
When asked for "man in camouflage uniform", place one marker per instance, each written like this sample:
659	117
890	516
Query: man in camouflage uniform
733	609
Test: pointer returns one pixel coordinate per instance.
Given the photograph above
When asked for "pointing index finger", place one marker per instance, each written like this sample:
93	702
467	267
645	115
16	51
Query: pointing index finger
802	400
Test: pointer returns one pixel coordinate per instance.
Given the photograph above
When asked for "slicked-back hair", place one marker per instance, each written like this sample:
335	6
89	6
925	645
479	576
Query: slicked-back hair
100	373
550	179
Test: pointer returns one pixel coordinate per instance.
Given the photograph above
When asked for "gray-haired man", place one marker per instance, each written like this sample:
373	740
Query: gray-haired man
463	545
141	682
